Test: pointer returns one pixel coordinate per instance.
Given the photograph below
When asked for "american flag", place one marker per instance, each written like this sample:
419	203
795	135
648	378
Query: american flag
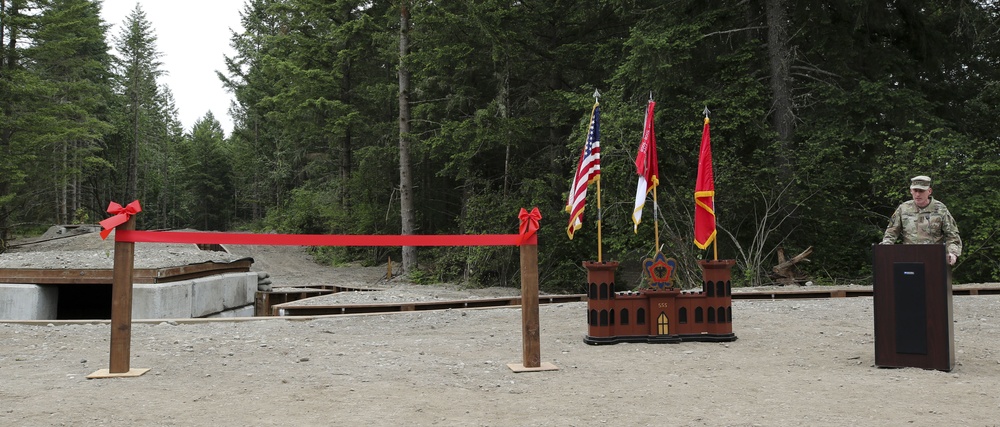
587	171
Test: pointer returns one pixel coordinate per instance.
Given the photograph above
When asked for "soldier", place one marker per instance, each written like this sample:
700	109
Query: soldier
924	220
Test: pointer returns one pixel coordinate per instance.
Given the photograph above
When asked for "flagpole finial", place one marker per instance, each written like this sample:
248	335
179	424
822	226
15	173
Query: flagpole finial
706	111
596	94
650	95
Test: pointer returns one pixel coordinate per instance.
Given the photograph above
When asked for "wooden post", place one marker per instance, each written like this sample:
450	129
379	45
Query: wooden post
530	330
121	310
529	307
121	302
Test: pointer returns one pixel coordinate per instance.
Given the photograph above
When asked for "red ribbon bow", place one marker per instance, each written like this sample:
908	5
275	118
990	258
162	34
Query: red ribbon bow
121	215
529	224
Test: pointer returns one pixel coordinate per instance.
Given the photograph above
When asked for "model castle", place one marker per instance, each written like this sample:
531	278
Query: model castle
660	313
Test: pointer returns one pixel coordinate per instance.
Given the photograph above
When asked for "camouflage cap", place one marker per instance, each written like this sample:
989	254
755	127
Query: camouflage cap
921	182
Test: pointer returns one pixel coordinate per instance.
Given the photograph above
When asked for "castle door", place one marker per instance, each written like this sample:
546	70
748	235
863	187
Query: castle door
663	324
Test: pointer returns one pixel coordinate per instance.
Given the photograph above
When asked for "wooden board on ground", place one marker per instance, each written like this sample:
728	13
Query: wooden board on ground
106	373
544	366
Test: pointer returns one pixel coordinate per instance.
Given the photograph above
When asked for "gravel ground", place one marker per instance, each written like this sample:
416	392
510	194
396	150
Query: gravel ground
796	362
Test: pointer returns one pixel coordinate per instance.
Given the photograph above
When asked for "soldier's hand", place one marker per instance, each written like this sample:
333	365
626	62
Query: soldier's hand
951	259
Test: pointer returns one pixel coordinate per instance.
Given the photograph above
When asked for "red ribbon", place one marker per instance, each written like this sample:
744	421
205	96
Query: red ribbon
528	228
529	224
121	215
316	239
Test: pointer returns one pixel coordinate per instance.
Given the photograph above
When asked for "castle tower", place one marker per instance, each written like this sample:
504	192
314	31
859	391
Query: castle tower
600	298
718	302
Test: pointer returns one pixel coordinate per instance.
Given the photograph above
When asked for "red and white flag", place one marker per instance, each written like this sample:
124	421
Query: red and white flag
646	167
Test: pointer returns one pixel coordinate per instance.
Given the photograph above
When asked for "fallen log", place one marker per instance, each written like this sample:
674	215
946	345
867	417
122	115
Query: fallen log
785	272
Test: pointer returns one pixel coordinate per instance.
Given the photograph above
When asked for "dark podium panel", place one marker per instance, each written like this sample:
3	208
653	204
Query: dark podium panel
913	313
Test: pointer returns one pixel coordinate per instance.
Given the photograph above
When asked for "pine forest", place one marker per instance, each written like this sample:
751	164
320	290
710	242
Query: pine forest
426	117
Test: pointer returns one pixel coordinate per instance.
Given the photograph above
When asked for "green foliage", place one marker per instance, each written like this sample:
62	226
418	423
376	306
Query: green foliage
207	181
421	276
54	96
500	98
82	216
307	212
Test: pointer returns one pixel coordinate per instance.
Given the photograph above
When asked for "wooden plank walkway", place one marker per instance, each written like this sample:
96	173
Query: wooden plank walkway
292	308
72	276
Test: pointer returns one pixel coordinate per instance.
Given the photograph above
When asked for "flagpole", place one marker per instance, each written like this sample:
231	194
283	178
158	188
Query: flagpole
656	221
599	259
656	206
597	96
705	231
715	240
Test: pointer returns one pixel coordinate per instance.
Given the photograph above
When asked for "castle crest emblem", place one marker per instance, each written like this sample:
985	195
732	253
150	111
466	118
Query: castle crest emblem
659	269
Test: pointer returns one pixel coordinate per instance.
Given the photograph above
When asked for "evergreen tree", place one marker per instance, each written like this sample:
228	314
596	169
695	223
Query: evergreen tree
255	162
407	215
70	53
137	70
20	96
821	110
206	186
158	180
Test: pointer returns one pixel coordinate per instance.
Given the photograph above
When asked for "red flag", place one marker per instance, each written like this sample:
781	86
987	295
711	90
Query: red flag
646	167
588	170
704	194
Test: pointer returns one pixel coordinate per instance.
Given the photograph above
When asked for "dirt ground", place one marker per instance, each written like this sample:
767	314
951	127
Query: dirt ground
796	362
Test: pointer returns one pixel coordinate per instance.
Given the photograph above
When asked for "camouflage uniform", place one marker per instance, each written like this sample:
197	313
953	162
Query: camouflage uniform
932	224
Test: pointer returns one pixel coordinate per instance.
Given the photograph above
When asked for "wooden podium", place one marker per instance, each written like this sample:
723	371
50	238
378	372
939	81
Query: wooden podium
913	307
